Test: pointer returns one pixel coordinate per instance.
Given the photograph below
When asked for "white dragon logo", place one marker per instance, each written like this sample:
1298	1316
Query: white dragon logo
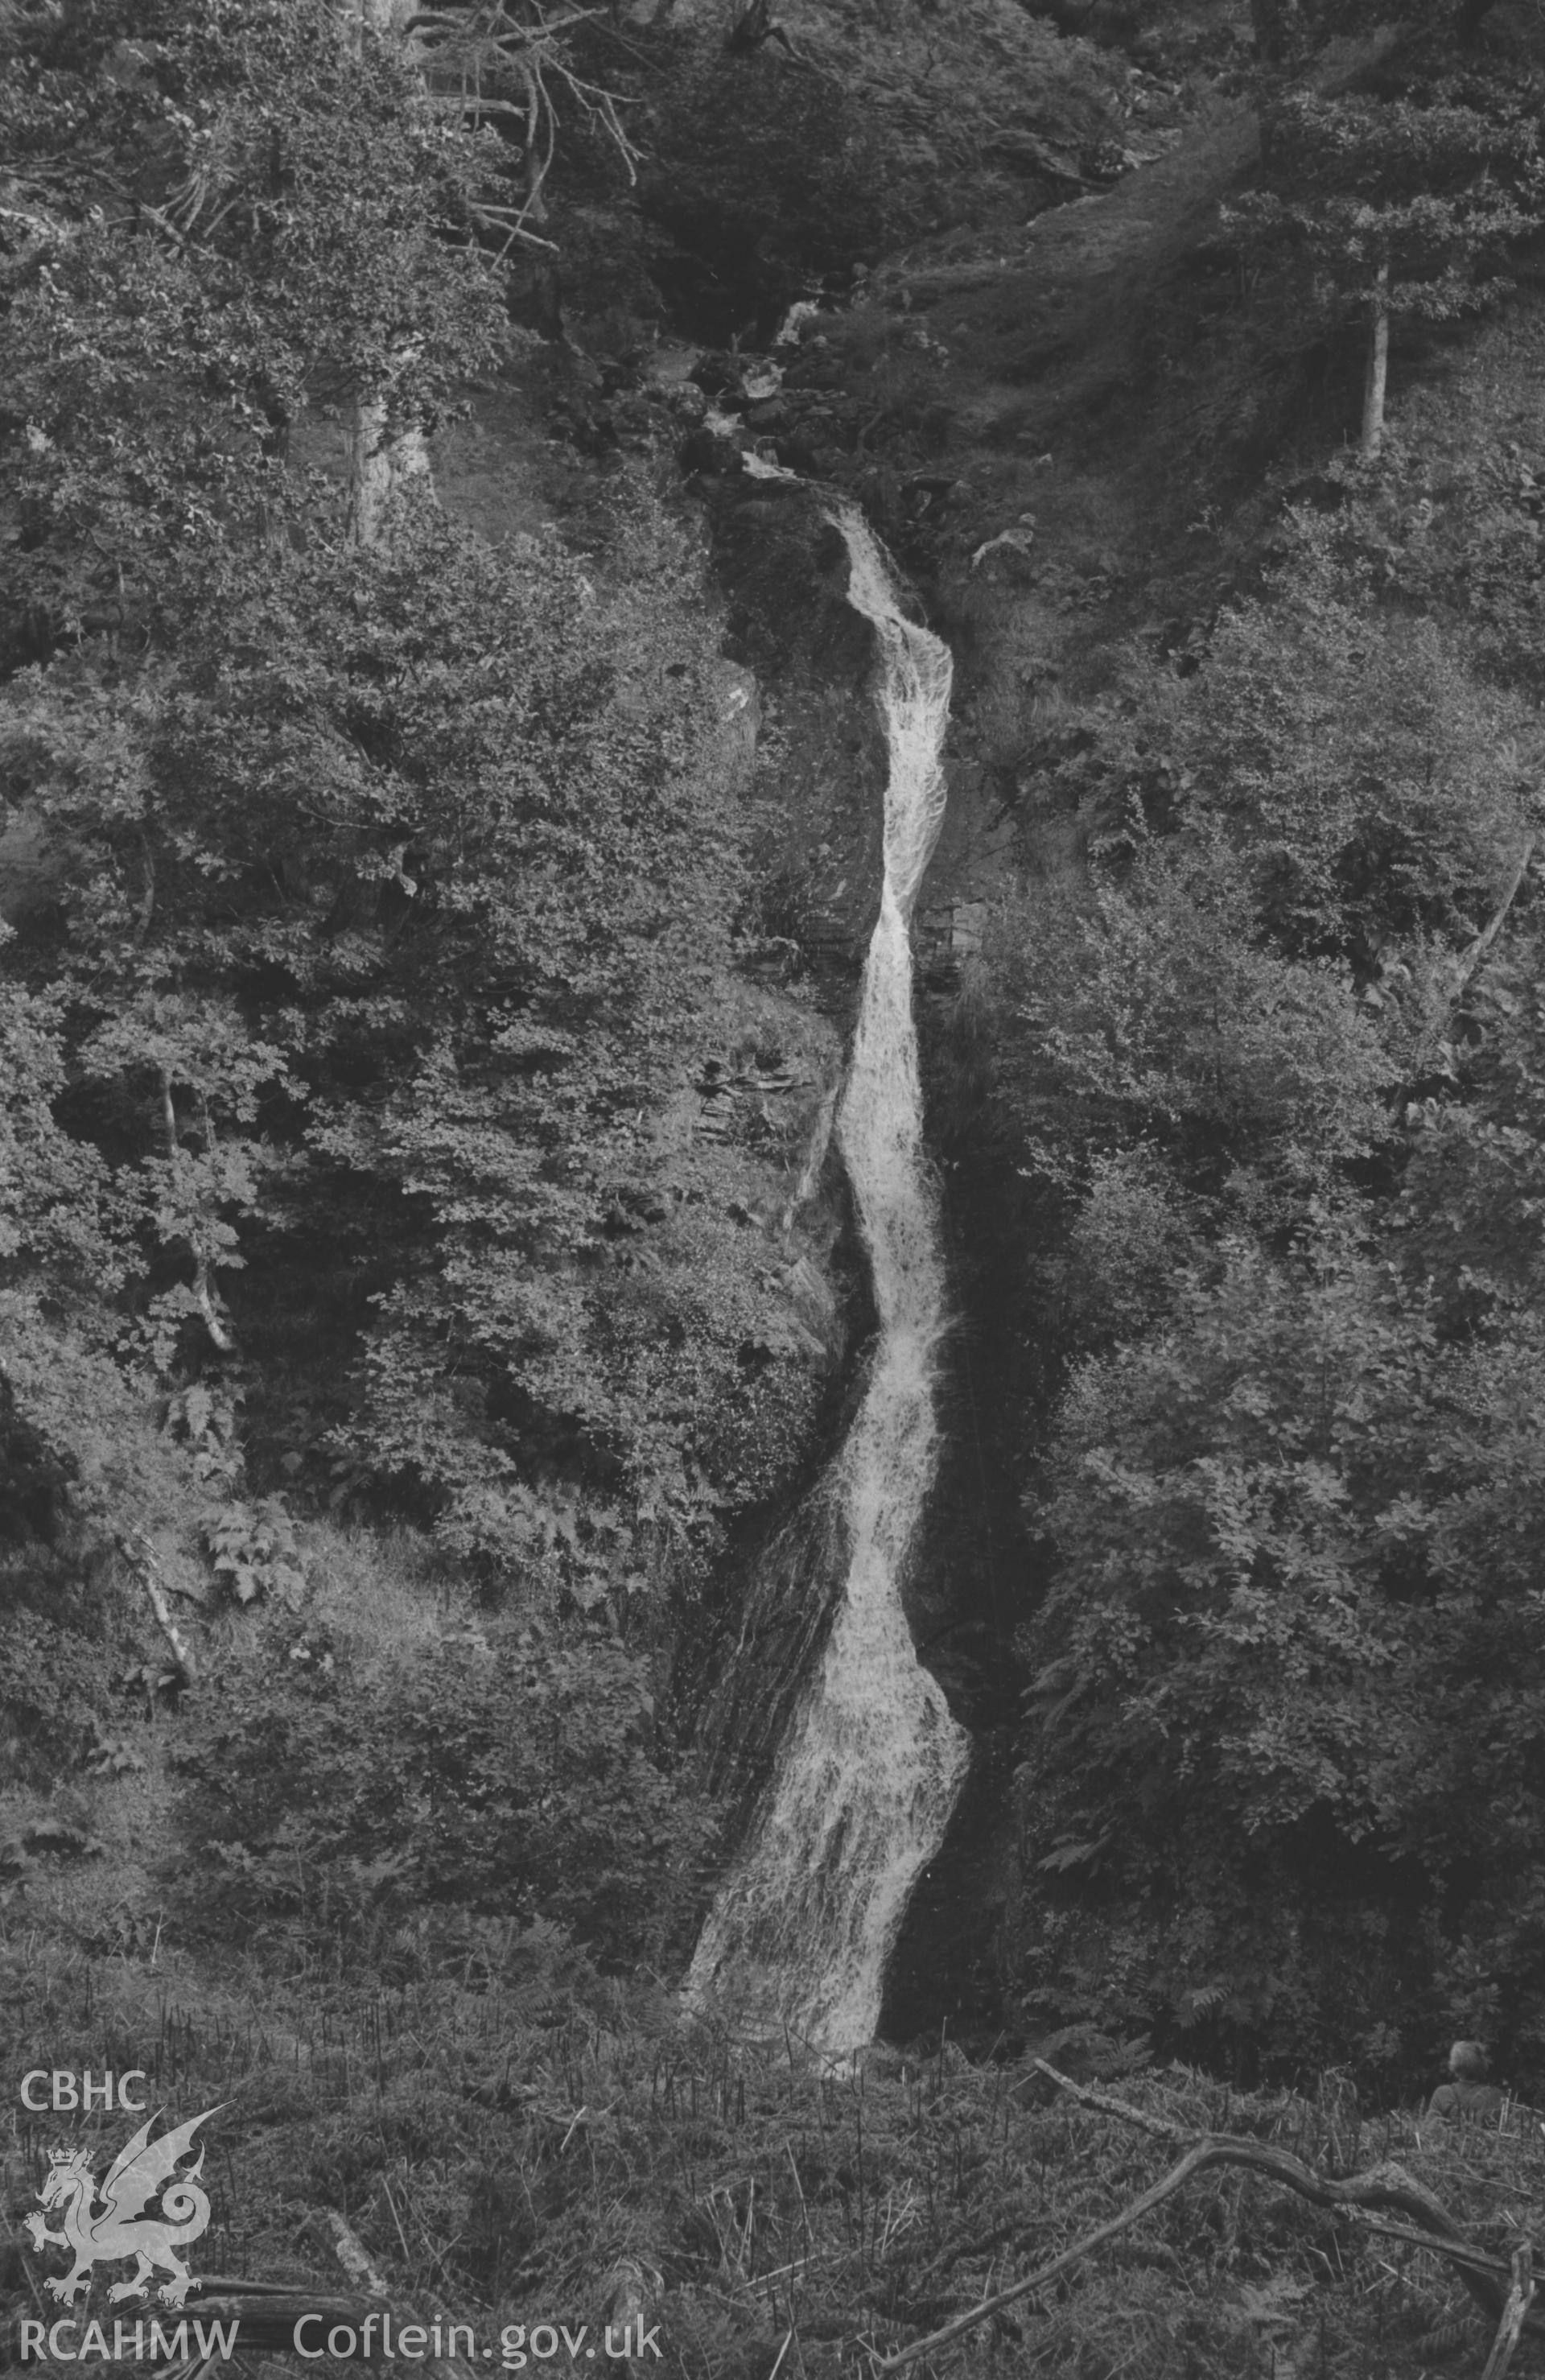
122	2228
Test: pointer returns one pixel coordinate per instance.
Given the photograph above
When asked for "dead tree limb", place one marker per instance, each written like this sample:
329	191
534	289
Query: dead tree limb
1466	965
1388	2185
1194	2161
483	64
1520	2297
138	1551
1453	2250
1109	2107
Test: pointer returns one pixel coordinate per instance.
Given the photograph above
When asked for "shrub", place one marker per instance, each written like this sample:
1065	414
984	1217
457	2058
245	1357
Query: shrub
1291	1654
513	1777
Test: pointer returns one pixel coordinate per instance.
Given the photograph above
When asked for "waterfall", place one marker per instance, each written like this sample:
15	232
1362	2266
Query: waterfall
863	1785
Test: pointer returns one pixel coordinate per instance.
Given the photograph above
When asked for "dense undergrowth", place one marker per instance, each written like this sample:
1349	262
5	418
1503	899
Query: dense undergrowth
504	2130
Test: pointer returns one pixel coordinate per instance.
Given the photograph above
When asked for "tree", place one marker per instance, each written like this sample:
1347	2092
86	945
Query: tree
393	881
480	68
1277	1526
1276	1087
1404	204
248	222
1162	1018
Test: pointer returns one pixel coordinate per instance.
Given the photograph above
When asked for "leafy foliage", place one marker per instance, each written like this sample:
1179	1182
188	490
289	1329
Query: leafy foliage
1380	787
774	179
59	1212
1275	1090
1278	1595
1162	1015
1422	185
227	215
400	881
1374	782
253	1547
782	155
384	919
515	1776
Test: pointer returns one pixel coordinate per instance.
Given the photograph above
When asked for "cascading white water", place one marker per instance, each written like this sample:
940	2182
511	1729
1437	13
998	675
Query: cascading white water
863	1789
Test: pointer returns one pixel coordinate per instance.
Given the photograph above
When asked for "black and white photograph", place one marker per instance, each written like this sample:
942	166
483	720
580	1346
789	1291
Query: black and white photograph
772	1189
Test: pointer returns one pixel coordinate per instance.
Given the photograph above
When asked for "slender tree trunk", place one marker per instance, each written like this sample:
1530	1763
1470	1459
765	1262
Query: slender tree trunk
1378	366
383	463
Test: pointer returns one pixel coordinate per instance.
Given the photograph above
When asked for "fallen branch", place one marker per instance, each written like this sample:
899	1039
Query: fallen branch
1520	2297
137	1550
1465	967
1194	2161
1452	2249
142	207
1386	2185
1109	2107
1453	980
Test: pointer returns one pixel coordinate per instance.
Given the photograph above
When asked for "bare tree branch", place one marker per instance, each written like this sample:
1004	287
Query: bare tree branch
1109	2107
1520	2297
1388	2185
484	62
1465	967
138	1551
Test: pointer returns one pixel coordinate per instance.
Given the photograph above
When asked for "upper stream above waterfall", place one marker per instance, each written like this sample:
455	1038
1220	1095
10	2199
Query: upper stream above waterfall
863	1786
